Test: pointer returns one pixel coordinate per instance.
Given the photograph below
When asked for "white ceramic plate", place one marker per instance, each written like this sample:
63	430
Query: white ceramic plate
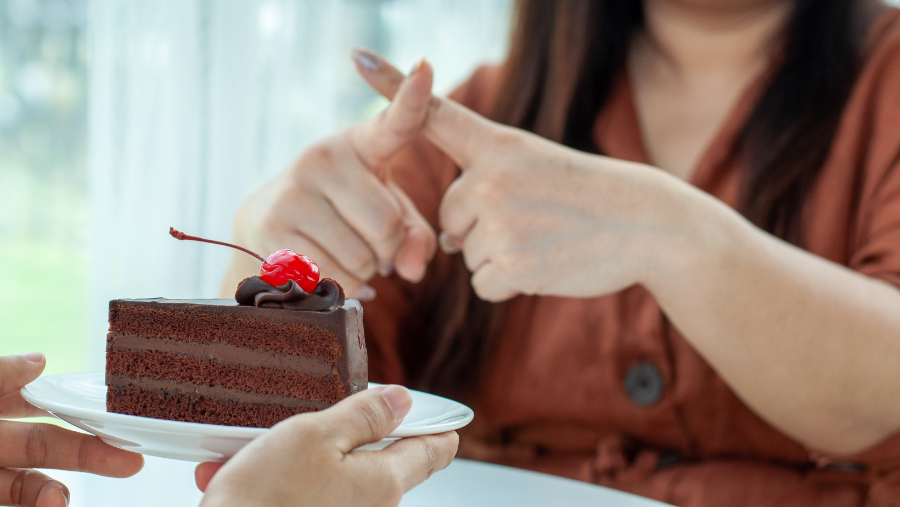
80	400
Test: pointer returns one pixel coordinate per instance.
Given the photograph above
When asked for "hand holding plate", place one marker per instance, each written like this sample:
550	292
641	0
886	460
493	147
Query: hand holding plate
310	459
26	445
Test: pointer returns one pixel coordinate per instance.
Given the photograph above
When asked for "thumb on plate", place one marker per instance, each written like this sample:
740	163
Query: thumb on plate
16	371
367	416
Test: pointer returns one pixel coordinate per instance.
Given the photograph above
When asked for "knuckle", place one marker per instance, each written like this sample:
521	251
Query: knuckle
506	138
505	263
484	188
387	227
515	262
84	455
360	264
500	233
17	488
527	261
490	185
315	158
7	374
406	131
403	120
36	446
373	414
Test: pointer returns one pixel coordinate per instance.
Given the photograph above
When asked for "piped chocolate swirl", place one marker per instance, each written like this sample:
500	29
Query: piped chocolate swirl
327	296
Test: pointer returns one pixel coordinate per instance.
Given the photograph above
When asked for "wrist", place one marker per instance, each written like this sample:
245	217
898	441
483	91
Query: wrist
700	244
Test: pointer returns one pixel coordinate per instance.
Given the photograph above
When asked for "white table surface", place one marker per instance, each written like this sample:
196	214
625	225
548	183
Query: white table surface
464	483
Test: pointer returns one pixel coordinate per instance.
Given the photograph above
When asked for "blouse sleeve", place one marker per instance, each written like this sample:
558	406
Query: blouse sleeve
875	251
879	254
424	173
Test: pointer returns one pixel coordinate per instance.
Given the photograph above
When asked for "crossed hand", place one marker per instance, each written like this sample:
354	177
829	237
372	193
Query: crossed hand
530	216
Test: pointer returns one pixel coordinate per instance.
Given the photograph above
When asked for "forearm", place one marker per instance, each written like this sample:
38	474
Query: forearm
810	345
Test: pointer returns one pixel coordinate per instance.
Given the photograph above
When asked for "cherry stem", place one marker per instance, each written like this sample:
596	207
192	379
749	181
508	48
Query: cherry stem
184	237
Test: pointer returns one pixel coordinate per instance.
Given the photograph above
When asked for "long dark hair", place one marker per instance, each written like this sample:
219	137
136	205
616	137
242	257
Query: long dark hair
564	58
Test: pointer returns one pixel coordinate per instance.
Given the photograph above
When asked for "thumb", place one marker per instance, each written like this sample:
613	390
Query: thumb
367	416
16	371
378	139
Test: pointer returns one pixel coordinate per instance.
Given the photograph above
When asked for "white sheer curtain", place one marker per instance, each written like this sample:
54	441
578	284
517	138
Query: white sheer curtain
194	103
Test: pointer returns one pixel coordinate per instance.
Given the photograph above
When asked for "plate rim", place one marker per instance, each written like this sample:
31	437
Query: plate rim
217	430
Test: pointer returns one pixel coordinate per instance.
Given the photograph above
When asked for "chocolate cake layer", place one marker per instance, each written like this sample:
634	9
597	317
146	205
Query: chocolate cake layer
224	322
195	408
320	335
172	388
212	361
202	371
224	353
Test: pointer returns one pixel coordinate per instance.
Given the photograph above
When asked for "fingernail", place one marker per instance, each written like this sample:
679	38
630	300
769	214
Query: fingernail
34	357
417	67
446	243
387	270
365	59
399	400
65	491
366	293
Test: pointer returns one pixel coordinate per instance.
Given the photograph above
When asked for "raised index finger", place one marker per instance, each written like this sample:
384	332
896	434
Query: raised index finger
378	139
455	129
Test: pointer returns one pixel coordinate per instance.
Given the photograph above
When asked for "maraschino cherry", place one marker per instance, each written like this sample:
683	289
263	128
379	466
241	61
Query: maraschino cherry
278	268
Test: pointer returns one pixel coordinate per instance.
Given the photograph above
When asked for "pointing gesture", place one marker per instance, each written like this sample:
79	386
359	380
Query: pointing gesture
534	217
337	204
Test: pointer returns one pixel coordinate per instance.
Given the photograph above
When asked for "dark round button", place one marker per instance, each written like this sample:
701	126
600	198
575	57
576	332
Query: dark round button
644	384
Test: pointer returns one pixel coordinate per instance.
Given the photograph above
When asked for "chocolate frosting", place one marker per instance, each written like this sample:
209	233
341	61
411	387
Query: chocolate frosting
253	291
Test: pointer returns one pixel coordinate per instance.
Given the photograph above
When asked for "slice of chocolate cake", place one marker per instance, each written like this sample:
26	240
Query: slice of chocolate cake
271	353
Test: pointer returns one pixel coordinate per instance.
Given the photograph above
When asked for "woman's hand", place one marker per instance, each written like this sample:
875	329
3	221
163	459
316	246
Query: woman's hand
309	459
337	204
24	446
535	217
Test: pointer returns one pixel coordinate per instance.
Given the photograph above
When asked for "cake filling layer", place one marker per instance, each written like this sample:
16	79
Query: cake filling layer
170	388
225	353
203	371
211	324
191	407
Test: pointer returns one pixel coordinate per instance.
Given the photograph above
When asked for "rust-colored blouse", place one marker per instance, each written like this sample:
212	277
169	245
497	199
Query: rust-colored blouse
606	390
